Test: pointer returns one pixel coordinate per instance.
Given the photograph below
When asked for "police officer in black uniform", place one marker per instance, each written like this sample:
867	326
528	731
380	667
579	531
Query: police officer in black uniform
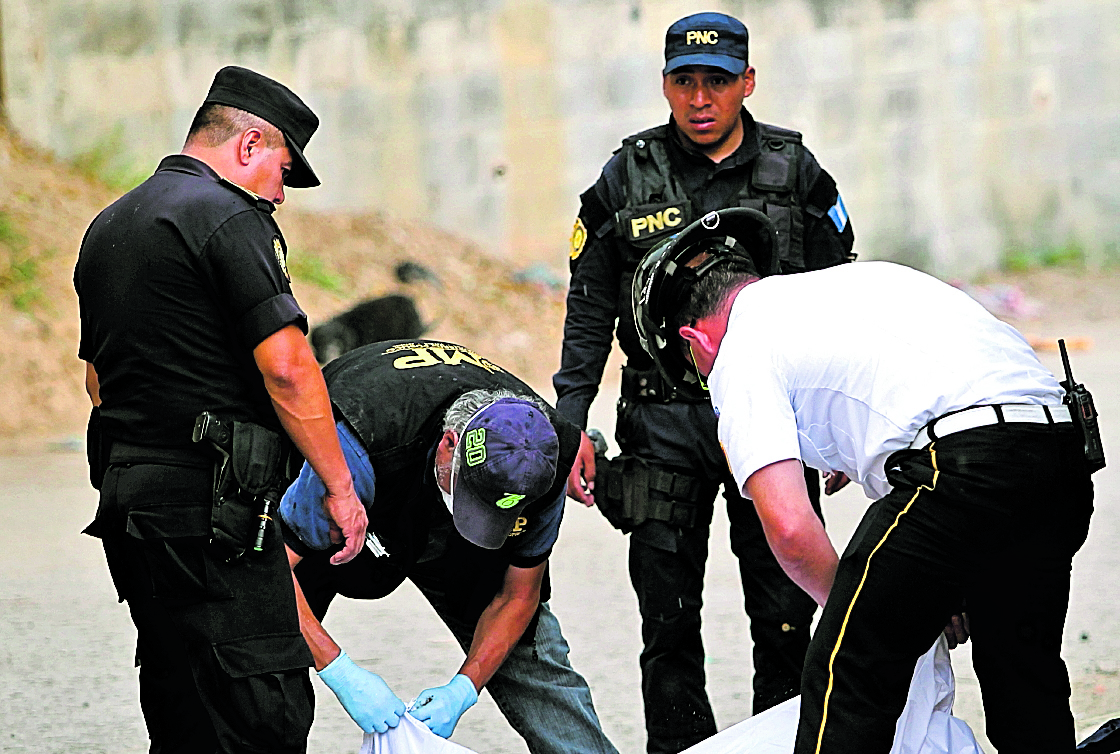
711	155
463	475
186	308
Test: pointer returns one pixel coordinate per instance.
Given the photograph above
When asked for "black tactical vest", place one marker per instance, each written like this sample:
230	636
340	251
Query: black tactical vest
657	205
394	395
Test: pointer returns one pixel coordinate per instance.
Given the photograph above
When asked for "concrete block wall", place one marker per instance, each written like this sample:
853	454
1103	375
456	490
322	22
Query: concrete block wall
956	129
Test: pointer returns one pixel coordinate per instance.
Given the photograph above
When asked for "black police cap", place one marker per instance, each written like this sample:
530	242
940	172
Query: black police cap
250	91
712	39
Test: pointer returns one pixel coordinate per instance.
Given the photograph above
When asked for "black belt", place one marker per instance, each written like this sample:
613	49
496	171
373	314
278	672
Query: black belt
123	452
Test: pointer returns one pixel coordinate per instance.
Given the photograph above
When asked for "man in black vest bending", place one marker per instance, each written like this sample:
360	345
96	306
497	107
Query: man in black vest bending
711	155
462	469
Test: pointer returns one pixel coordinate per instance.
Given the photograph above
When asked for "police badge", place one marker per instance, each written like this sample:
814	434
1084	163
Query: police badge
281	256
579	238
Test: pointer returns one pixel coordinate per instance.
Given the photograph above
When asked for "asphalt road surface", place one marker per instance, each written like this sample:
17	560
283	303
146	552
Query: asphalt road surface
67	682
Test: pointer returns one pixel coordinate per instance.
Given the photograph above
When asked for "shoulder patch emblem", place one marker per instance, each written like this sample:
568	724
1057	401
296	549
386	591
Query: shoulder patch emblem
839	214
579	239
281	256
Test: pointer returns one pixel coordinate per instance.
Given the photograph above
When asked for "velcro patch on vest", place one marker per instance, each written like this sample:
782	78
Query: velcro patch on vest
645	225
775	169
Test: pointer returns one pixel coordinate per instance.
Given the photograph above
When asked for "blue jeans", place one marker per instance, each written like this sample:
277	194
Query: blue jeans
543	698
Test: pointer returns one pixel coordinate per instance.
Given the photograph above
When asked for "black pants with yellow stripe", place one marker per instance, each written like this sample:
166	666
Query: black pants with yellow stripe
985	520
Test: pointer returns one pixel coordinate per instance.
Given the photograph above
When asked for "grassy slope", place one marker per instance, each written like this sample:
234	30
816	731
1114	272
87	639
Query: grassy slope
45	206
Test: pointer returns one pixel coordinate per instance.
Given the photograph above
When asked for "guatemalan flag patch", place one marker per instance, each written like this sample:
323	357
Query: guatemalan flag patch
839	215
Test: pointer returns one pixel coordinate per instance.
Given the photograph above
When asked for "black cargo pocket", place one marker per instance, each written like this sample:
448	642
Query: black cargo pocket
658	535
177	547
792	261
266	653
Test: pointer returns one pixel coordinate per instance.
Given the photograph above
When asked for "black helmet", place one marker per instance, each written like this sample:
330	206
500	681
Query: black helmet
740	236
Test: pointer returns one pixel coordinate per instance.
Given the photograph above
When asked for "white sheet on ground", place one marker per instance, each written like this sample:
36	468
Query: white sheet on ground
410	737
926	726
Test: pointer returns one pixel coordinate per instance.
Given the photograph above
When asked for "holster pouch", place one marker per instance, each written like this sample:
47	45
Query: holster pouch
629	492
247	487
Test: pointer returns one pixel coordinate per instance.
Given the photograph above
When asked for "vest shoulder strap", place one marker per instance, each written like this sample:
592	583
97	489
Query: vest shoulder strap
773	189
657	133
768	131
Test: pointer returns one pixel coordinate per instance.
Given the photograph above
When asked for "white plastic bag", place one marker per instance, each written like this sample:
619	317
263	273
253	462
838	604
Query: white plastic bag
410	737
926	726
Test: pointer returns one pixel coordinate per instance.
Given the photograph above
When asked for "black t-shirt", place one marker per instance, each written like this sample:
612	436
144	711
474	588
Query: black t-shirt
178	281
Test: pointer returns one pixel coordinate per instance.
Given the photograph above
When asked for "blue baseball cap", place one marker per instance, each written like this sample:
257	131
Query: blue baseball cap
506	459
714	39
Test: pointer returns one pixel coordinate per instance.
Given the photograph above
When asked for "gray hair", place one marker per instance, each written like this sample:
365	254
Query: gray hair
470	403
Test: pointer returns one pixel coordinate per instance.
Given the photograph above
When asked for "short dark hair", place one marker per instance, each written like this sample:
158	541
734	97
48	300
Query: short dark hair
215	124
710	292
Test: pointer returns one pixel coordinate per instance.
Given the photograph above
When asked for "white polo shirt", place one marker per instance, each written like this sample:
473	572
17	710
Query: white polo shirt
842	367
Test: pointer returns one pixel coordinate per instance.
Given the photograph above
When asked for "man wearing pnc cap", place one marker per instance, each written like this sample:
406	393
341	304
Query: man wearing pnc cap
186	308
462	469
710	155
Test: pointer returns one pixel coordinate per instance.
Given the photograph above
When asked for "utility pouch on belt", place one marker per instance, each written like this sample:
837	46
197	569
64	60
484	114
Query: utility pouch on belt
249	478
628	493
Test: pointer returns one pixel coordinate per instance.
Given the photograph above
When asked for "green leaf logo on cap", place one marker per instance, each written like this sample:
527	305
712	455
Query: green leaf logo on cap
509	501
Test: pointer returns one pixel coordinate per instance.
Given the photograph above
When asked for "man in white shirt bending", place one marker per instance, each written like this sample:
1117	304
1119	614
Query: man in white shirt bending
949	422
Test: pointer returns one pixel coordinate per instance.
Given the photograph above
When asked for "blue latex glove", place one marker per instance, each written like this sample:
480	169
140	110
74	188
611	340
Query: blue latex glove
440	708
365	697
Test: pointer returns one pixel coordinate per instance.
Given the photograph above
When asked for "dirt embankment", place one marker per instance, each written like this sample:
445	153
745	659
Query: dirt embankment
336	260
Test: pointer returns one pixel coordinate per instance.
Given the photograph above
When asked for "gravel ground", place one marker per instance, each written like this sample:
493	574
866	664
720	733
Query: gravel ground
66	646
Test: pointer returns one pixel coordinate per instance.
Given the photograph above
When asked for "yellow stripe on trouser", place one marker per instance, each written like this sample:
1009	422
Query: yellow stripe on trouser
852	604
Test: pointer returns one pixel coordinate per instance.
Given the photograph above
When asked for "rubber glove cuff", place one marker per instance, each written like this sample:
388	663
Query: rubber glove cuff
364	695
440	708
466	688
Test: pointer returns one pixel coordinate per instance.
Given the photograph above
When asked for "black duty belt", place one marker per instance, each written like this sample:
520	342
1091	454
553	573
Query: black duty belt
123	452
